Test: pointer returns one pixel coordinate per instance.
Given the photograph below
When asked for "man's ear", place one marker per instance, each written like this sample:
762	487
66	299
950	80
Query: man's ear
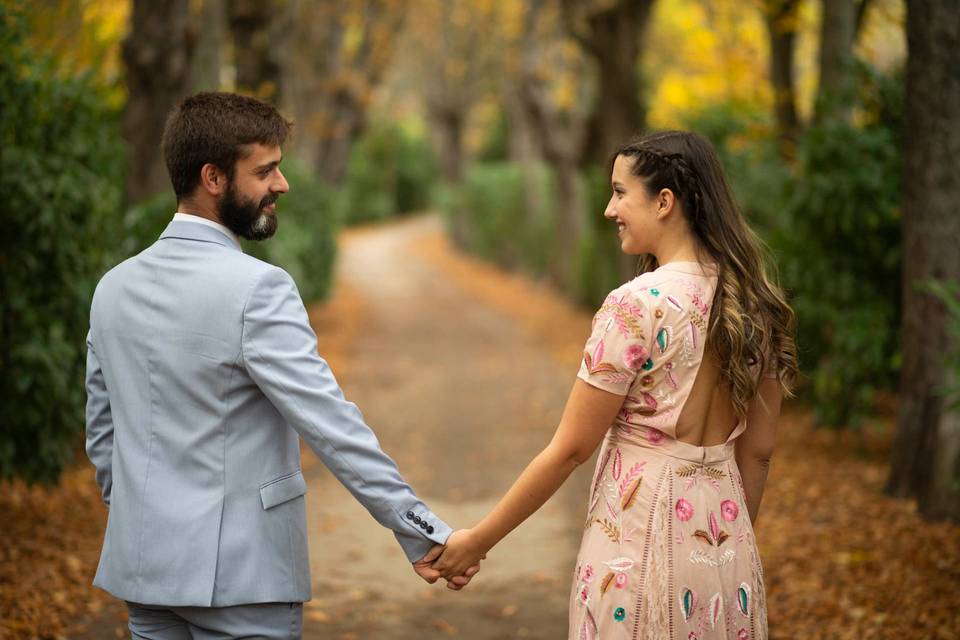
213	180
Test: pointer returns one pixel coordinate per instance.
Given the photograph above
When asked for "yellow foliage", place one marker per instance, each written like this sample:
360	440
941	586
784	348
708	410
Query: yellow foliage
82	36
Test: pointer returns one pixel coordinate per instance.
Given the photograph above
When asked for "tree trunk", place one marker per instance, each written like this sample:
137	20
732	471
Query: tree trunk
614	38
258	33
781	20
157	55
209	55
837	25
926	457
446	126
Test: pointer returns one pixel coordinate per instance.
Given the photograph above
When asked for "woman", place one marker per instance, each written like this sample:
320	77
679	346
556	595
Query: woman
682	379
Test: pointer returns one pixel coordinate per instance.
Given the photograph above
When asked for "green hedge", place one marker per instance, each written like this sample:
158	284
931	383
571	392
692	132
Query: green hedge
832	220
61	171
390	173
495	220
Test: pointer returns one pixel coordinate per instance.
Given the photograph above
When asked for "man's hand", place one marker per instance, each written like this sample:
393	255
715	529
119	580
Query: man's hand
461	554
424	569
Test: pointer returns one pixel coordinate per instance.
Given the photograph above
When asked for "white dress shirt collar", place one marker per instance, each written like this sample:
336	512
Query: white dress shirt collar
189	217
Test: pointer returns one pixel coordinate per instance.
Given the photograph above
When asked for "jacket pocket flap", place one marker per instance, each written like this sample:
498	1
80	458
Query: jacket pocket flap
282	489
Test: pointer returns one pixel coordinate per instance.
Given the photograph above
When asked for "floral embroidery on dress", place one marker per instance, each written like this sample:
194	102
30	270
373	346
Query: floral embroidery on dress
688	602
695	293
627	316
668	367
699	556
716	536
594	362
635	356
743	599
716	605
729	510
587	575
663	338
684	510
588	628
583	593
654	436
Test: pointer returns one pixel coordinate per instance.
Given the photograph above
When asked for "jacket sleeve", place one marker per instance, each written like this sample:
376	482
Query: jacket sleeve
99	423
280	353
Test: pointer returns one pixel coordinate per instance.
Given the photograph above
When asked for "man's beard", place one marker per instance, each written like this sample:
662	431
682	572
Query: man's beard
245	217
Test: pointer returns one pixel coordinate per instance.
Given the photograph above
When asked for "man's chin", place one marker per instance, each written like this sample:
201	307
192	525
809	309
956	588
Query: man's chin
264	227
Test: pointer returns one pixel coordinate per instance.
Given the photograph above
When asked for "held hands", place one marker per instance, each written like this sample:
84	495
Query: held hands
462	553
423	567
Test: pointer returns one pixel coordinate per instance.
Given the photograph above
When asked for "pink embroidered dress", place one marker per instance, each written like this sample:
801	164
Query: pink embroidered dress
668	549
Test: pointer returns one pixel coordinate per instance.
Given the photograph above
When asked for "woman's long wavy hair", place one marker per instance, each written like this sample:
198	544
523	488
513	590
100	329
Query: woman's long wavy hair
752	326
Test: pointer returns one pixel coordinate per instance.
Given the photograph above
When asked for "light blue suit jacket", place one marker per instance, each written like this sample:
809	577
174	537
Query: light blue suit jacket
202	371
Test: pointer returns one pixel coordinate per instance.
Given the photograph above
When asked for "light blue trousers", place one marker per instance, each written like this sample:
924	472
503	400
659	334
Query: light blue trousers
270	621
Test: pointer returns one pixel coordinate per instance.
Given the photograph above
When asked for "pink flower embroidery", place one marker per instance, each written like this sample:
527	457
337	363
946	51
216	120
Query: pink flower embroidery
684	510
743	635
649	402
587	573
620	581
634	356
729	510
654	436
583	594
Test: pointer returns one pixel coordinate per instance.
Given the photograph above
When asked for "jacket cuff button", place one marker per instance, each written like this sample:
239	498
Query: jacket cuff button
409	515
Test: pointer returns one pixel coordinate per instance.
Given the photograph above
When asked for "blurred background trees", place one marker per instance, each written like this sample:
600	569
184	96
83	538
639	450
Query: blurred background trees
502	115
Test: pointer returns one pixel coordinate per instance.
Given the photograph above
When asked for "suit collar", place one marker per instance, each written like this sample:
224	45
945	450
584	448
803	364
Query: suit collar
185	230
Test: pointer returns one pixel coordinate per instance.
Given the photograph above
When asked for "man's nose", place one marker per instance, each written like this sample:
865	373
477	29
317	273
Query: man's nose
281	186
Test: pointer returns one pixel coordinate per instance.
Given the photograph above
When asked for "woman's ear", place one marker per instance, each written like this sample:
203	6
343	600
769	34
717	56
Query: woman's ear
665	203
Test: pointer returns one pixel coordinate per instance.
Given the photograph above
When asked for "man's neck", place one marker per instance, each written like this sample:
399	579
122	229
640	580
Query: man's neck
199	210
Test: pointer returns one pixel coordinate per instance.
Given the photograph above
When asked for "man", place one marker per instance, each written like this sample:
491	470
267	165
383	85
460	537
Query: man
202	371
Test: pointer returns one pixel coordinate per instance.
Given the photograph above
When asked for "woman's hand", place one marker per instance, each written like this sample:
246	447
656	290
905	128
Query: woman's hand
461	552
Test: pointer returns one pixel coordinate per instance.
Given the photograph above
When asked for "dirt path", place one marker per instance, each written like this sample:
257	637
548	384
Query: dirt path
462	396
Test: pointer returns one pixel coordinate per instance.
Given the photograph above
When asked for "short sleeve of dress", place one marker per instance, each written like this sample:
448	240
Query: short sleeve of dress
618	348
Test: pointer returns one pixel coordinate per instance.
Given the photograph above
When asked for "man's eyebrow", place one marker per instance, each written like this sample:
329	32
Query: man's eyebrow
269	165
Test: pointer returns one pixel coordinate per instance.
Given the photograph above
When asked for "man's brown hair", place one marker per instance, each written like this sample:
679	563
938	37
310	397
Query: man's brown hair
216	128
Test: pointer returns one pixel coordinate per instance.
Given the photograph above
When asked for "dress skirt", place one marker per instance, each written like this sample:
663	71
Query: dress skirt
668	549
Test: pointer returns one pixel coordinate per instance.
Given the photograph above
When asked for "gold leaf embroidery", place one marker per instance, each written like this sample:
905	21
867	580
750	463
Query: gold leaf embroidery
599	367
607	581
630	495
692	469
703	535
697	320
612	530
624	318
